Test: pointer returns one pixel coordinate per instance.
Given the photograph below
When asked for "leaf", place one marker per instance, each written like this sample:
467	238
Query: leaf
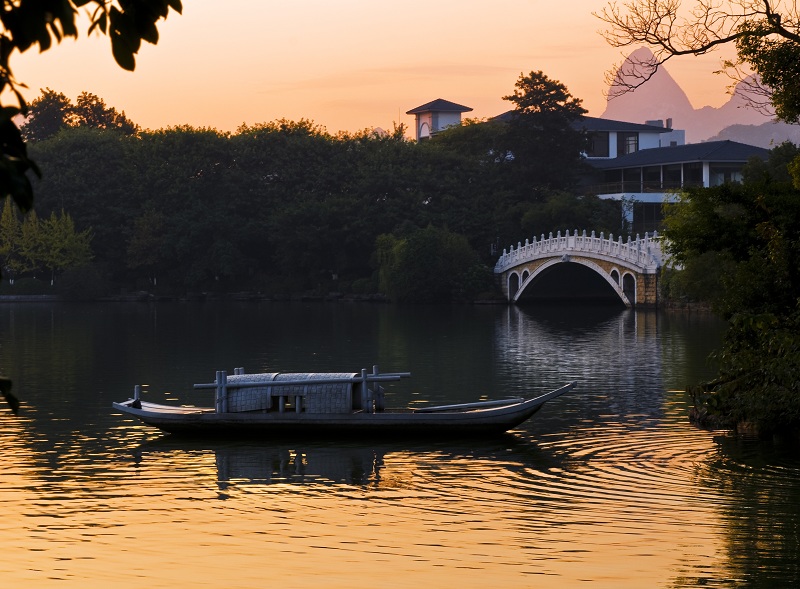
150	33
101	24
124	40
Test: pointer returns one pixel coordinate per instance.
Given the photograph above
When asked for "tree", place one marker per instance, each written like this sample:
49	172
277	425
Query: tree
147	244
766	35
740	244
38	22
52	112
34	245
30	245
10	233
97	178
545	144
429	265
62	247
91	111
47	115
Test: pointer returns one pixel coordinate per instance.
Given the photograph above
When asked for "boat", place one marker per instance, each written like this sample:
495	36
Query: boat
314	404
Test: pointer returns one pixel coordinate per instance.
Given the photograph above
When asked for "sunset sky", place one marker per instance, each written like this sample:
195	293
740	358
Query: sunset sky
347	64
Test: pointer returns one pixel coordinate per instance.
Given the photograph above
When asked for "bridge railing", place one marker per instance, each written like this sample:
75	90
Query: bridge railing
643	252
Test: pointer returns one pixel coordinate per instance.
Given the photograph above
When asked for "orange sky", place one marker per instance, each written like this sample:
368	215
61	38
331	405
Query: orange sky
347	64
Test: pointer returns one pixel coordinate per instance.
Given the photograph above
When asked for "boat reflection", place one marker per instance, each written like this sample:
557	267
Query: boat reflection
344	462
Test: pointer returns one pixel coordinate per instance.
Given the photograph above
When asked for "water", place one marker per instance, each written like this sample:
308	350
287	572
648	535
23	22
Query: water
609	485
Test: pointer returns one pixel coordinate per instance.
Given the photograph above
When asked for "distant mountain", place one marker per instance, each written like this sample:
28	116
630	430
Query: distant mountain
662	98
766	135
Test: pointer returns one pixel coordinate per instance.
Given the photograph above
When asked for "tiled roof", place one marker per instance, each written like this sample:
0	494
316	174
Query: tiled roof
596	124
439	105
711	151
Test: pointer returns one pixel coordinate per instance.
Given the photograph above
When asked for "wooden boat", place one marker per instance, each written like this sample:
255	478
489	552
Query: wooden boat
275	404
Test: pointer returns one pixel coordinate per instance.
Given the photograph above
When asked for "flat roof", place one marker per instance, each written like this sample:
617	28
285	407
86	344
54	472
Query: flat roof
717	151
597	124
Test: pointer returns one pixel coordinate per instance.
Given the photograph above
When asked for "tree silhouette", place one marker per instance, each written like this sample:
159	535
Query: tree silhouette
766	35
38	22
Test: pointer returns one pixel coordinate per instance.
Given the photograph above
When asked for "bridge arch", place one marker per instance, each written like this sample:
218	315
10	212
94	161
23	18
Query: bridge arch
630	268
583	262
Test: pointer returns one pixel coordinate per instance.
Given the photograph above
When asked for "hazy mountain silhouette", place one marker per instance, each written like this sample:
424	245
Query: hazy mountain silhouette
766	135
662	98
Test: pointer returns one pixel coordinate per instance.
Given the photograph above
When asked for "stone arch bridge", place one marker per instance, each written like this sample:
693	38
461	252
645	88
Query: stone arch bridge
630	269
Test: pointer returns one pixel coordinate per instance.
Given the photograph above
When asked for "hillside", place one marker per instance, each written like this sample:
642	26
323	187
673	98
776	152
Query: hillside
661	98
766	135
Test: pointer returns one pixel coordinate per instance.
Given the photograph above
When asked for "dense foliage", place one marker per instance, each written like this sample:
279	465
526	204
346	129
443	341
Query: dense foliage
431	265
740	249
285	207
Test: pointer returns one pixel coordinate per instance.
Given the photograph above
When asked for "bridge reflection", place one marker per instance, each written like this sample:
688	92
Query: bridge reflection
615	355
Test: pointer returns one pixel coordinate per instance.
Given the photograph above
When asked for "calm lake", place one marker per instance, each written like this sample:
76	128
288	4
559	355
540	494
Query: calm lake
608	486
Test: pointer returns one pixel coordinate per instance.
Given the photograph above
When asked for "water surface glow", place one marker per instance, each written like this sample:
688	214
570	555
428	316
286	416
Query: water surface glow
609	485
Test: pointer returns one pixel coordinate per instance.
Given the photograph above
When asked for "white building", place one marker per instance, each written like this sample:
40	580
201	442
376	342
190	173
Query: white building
643	166
435	116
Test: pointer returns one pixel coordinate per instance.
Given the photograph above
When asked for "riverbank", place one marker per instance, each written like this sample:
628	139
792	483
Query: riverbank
144	297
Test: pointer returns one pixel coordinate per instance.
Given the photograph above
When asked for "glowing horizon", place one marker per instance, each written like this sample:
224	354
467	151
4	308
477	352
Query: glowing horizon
347	66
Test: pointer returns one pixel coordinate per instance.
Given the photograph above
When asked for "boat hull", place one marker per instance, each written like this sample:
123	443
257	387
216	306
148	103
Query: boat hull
206	422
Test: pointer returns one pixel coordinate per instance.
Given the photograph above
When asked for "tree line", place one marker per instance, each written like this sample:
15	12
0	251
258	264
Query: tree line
286	207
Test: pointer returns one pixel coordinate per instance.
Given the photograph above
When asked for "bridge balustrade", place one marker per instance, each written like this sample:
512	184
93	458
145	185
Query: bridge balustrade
643	252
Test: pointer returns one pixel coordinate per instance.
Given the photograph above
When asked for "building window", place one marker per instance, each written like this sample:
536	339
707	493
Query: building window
651	178
597	144
612	182
672	176
647	217
632	180
693	174
627	143
722	173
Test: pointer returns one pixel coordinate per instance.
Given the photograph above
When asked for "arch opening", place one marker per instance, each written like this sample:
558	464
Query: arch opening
513	285
629	287
569	282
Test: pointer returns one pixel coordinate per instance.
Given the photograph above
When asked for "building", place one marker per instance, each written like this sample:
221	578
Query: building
612	139
643	180
640	165
435	116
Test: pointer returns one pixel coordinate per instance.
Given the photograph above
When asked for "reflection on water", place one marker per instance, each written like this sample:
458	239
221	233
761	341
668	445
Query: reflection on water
609	484
324	463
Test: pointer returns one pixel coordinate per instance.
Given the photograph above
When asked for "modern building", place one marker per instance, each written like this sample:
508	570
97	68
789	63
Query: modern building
640	165
612	139
643	180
